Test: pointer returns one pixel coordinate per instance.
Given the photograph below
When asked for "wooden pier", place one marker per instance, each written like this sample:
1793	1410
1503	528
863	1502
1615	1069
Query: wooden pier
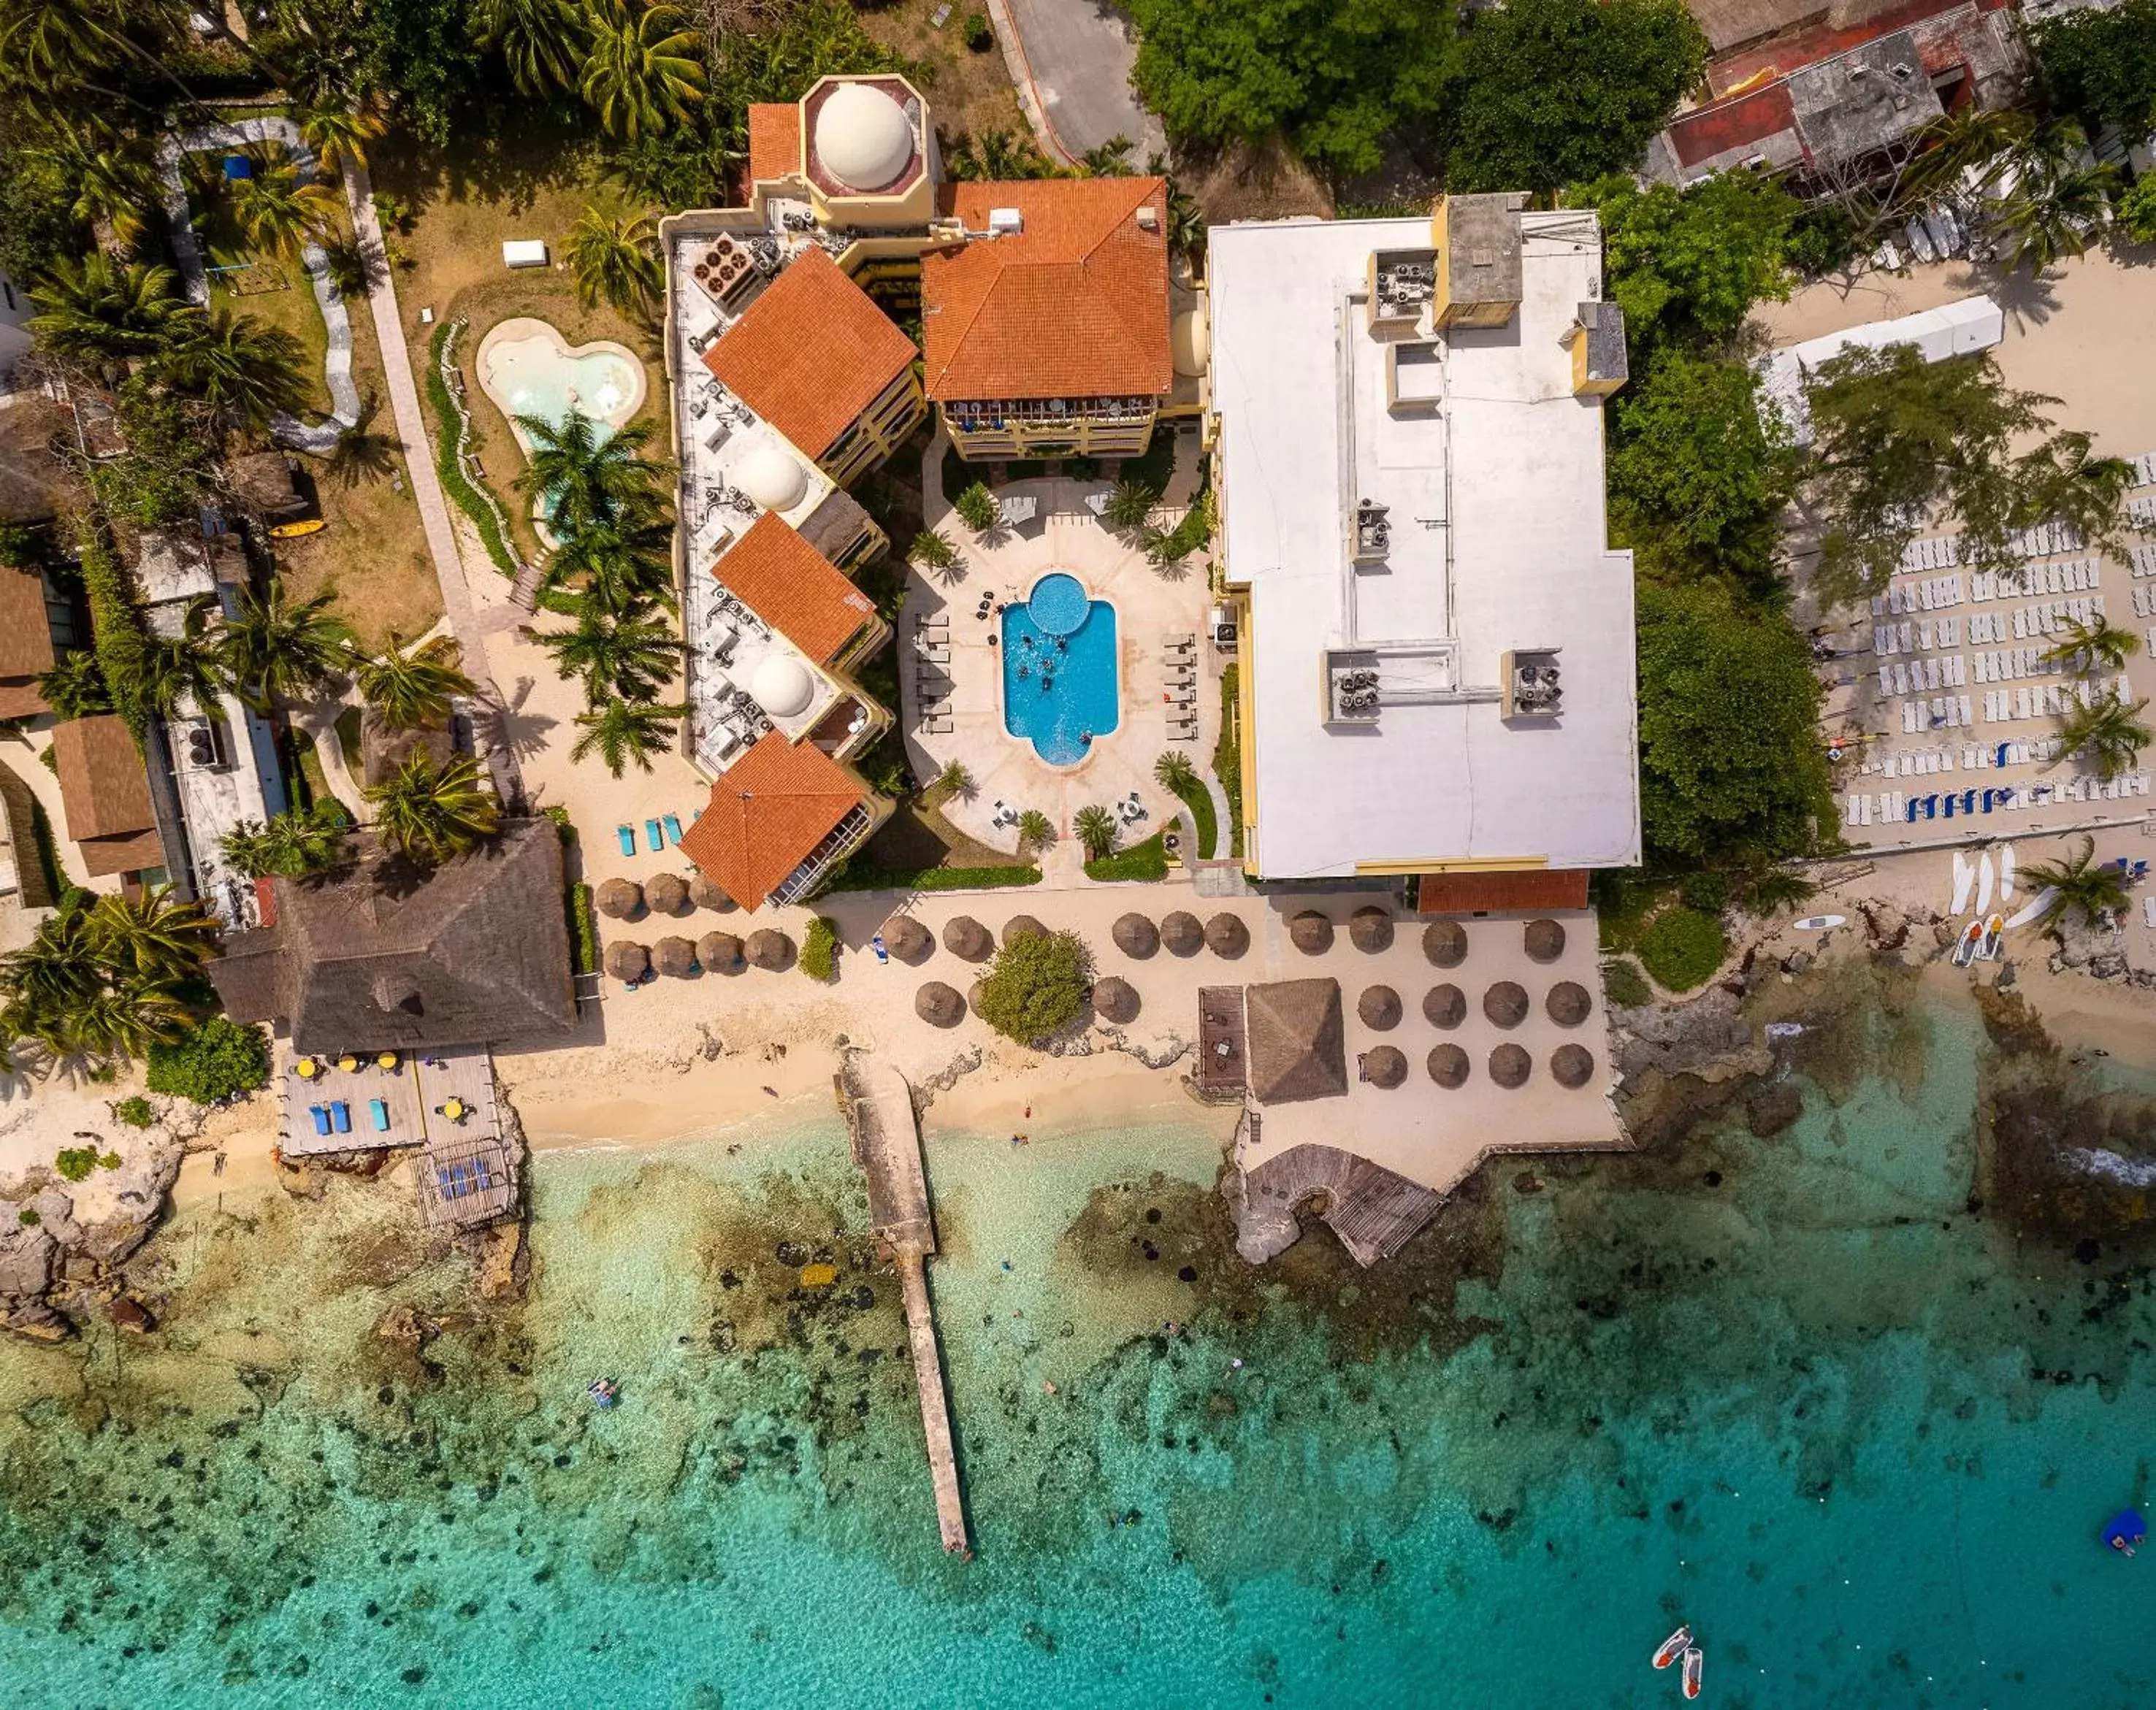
879	1107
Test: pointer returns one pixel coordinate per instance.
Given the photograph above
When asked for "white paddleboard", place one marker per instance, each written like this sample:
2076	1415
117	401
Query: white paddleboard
1984	885
1819	922
2035	906
1965	876
2006	873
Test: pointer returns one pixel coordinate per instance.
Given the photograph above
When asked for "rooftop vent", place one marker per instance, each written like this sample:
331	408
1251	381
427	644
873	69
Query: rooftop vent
1373	531
207	748
1149	218
725	269
1352	693
1006	221
1534	686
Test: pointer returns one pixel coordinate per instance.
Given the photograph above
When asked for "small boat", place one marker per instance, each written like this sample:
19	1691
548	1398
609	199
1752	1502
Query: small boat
1983	880
1994	934
2034	909
2125	1529
1672	1647
1695	1662
2006	873
602	1391
1970	943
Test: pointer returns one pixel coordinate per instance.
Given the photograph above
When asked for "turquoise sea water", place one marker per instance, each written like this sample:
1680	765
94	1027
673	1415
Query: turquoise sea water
1792	1391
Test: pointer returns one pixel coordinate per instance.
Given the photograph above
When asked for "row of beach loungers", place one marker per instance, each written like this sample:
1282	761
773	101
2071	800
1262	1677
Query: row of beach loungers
1972	756
1922	635
1181	673
2044	541
1893	807
1944	593
336	1116
2039	700
931	686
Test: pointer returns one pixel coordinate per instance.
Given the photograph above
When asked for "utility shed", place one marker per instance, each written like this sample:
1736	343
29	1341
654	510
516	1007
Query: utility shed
1478	259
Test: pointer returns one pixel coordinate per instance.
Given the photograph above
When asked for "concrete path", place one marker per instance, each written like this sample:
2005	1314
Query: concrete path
317	720
1072	60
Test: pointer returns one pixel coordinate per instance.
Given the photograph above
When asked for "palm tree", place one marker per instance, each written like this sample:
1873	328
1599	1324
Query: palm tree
293	844
97	307
616	256
955	779
54	974
620	571
2056	214
619	731
1164	548
2061	481
1096	829
1955	142
276	649
276	211
75	688
932	552
154	936
539	41
1173	772
125	1019
1186	222
115	183
630	658
2077	883
411	689
1111	159
588	478
998	155
1035	830
2108	730
186	666
640	70
1130	506
338	135
976	508
238	365
2100	643
62	41
430	815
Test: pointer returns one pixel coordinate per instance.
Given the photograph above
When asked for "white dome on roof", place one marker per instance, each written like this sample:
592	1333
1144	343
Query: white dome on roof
773	479
1190	341
783	687
863	137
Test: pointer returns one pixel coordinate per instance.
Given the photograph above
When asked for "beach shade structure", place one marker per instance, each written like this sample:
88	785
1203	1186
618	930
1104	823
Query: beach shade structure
1310	932
1506	1003
620	899
1370	929
1572	1064
1568	1003
675	956
1379	1008
1382	1065
1114	1001
721	953
1448	1065
967	940
1295	1048
1445	1006
907	939
705	895
665	893
1510	1065
1136	936
1225	935
1444	942
1545	940
627	961
1023	926
1182	933
939	1005
770	949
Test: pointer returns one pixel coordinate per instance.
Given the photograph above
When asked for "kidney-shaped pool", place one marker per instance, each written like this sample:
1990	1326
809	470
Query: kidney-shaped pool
1059	690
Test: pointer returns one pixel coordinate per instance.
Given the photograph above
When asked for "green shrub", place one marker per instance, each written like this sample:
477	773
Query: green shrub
820	949
584	929
116	634
1203	820
980	36
448	432
29	1217
1707	892
1146	861
562	823
1037	985
2137	209
1625	984
220	1057
1227	758
976	508
75	1163
107	1161
135	1112
1682	947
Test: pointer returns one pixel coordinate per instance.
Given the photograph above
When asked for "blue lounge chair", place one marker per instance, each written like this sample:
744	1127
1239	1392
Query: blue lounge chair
1931	807
340	1116
627	836
1950	804
655	837
674	826
321	1118
379	1111
1909	810
2000	759
2141	870
1968	801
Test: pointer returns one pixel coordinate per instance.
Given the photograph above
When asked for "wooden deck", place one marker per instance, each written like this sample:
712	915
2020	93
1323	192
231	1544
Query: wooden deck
1373	1211
1220	1024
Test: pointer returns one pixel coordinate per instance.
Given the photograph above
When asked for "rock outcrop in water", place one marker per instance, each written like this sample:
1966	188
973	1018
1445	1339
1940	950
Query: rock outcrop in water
62	1242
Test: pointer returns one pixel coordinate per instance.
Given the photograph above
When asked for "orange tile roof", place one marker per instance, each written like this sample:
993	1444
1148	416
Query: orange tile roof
768	812
1074	305
795	589
774	141
811	352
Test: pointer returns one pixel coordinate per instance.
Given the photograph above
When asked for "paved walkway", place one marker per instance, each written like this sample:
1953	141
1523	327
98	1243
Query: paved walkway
1072	60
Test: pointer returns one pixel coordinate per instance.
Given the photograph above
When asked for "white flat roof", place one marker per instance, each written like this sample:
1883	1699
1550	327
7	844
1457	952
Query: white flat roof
1498	542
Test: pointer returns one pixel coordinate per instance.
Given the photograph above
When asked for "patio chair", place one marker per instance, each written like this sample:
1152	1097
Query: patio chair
627	834
340	1116
321	1116
673	823
378	1110
654	836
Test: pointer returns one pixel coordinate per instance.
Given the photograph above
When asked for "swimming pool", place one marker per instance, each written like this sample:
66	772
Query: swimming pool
1059	690
528	369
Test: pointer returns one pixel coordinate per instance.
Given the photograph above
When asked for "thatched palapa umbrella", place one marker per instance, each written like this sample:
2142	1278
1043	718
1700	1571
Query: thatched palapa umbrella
1182	933
973	996
1310	932
1510	1066
1383	1067
1506	1003
939	1005
1226	935
674	955
626	961
1448	1065
1370	929
1444	942
1023	926
1114	1001
771	950
907	939
705	894
721	953
1568	1003
1136	936
620	899
1572	1065
1545	940
1445	1006
1379	1008
665	893
967	940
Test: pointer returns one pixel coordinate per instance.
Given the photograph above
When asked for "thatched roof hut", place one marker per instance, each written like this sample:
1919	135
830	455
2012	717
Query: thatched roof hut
1506	1003
1114	1001
1445	1006
1310	932
1383	1066
1023	926
907	939
1182	933
1568	1003
620	899
1510	1066
939	1005
721	953
1572	1064
1444	942
625	960
1136	936
1295	1045
1545	940
1448	1065
675	955
770	949
1226	935
706	894
1379	1008
666	893
967	940
1370	929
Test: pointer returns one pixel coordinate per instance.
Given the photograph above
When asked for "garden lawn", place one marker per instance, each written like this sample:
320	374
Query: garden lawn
1146	860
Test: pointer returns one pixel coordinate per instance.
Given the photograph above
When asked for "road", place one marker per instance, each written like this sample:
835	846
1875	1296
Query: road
1072	60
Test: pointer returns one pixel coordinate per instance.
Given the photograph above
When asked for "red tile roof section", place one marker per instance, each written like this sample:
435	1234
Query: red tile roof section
1785	53
768	812
1707	131
812	353
774	141
1074	305
795	589
1503	893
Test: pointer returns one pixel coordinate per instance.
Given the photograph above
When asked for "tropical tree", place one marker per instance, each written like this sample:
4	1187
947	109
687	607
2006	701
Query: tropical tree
63	41
2053	214
539	41
114	181
619	568
2078	883
2108	730
238	366
955	779
998	156
95	307
1036	985
976	508
183	667
278	648
1131	506
105	976
588	478
619	731
293	844
1096	830
1173	772
1111	159
616	256
641	71
276	211
75	688
631	658
1690	263
1036	831
1972	140
932	552
411	688
430	814
2100	644
152	936
338	135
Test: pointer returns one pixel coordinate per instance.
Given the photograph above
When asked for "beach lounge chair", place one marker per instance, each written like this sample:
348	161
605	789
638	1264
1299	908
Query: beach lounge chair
654	836
627	834
322	1117
340	1116
377	1111
674	826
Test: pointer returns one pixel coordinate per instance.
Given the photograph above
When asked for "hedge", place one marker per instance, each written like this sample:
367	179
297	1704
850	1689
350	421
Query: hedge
1625	986
117	636
1142	860
1200	801
819	948
1682	947
1227	758
583	930
449	436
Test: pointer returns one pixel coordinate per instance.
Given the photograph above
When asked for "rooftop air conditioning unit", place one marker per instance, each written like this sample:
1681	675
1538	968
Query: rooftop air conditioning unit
207	749
1533	684
1149	218
1006	221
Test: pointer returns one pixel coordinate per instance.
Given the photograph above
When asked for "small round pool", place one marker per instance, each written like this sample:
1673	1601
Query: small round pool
1058	604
